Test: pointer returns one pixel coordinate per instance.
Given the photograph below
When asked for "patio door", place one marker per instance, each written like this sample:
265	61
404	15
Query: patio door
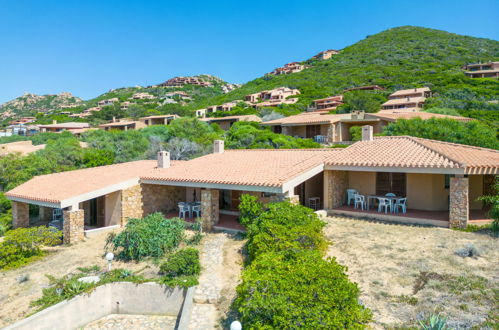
390	183
313	130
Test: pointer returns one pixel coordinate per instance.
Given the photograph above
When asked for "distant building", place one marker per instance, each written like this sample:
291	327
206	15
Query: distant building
125	105
23	120
158	120
182	81
327	104
56	128
143	96
273	97
289	68
325	55
225	123
123	125
365	88
408	99
482	70
108	102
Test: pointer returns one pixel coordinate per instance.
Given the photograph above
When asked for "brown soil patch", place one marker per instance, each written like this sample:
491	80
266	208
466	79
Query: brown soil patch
407	272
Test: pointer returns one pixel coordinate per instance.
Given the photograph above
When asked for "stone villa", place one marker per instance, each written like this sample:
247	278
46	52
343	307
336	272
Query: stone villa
407	99
440	180
482	70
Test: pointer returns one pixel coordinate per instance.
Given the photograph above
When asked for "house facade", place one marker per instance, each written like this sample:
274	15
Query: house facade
327	104
225	123
326	54
482	70
407	99
158	120
288	68
440	180
273	97
56	128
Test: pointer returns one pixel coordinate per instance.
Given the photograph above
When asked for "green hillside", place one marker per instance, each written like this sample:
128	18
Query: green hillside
402	57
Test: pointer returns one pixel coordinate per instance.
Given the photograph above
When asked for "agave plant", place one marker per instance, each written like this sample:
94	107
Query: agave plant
434	322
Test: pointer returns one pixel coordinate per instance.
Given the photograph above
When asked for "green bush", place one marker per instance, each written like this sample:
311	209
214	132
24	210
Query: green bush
302	290
68	286
287	284
152	236
21	245
182	262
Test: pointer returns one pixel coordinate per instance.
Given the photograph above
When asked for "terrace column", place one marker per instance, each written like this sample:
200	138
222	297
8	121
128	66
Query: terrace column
210	210
20	214
73	229
131	204
459	202
45	213
335	186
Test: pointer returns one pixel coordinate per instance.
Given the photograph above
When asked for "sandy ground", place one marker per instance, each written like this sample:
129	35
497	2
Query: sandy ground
15	297
391	262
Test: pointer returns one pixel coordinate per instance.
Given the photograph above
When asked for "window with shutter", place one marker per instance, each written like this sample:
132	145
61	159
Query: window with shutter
391	183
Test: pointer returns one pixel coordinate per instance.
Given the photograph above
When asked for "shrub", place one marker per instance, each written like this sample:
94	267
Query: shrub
22	244
286	226
302	290
249	209
434	322
468	251
182	262
152	236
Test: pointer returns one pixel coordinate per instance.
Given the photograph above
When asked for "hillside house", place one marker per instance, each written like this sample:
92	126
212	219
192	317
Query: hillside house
289	68
142	96
326	54
158	120
107	102
56	128
327	104
225	123
273	97
125	105
440	180
407	99
365	88
182	81
335	128
482	70
23	121
228	106
122	125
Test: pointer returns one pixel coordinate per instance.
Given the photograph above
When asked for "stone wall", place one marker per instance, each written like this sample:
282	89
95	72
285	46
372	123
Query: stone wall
459	202
210	212
20	214
131	204
335	186
161	198
45	213
330	133
73	226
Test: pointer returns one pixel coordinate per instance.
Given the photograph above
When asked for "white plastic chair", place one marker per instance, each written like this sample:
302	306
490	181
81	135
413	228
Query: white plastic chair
400	203
360	200
350	195
385	203
196	209
390	195
57	215
183	209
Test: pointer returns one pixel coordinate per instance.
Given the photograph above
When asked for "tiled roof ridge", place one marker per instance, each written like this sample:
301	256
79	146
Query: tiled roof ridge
437	141
291	149
92	168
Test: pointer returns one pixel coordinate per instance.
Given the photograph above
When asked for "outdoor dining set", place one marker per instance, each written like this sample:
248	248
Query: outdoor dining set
189	208
387	203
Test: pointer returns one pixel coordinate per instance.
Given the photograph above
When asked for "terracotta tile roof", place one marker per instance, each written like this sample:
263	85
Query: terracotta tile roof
237	118
410	91
160	117
66	125
54	188
118	124
268	168
404	100
412	152
394	115
308	118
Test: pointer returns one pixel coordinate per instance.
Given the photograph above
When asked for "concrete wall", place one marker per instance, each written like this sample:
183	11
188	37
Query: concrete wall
363	182
427	192
113	209
113	298
314	187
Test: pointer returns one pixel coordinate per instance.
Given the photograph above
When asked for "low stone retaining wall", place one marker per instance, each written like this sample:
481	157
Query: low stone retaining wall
112	298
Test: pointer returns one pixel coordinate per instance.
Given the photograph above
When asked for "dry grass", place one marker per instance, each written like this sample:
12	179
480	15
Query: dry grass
406	272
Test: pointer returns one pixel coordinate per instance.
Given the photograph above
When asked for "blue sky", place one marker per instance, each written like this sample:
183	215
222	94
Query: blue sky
88	47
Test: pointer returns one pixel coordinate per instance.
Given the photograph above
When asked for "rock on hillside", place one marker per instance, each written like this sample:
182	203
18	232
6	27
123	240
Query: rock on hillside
29	104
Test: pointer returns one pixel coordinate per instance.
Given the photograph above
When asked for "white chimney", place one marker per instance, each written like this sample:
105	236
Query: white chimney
163	159
114	119
54	122
218	147
367	133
